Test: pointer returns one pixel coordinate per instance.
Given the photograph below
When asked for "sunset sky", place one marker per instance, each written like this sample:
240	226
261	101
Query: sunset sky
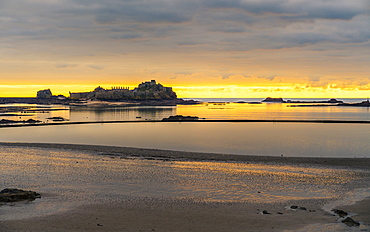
201	48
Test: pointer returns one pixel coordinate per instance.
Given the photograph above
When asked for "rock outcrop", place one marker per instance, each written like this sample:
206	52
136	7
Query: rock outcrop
13	195
347	220
350	222
181	118
29	121
46	93
274	100
340	212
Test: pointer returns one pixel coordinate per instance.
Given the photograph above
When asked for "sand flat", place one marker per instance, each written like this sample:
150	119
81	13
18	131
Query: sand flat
99	188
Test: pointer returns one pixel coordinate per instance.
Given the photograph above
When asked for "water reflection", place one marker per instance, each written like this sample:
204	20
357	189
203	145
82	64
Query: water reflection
273	139
224	111
273	111
121	113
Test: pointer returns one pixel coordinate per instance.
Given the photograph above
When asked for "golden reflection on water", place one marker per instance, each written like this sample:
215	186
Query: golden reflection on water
270	111
272	139
230	110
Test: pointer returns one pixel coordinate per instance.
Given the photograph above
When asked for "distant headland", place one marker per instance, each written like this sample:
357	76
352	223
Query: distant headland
330	102
281	100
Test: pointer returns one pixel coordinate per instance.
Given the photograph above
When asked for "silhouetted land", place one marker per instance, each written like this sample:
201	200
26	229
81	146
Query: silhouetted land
34	100
67	101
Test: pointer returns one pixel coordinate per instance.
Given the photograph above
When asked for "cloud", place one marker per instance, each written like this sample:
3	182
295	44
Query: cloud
217	37
248	24
65	65
127	36
143	11
190	43
268	77
96	67
229	28
294	9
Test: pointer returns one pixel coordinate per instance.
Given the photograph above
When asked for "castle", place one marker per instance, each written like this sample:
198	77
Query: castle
145	91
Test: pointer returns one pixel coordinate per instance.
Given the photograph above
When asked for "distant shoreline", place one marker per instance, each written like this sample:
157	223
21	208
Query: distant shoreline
177	101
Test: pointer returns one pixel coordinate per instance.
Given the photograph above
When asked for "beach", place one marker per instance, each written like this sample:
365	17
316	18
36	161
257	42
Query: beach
161	190
162	215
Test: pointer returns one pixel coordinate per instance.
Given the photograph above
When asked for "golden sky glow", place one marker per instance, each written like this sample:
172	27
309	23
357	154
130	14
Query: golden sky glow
219	48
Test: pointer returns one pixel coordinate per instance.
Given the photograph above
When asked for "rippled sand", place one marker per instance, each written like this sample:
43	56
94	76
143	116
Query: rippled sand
126	189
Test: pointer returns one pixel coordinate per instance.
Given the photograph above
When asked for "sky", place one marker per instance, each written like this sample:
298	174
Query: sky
201	48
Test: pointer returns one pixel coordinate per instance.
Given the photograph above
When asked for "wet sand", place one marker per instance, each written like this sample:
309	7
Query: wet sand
155	215
169	214
162	215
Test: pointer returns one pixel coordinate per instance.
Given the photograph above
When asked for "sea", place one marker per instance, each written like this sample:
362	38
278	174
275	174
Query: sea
69	178
242	138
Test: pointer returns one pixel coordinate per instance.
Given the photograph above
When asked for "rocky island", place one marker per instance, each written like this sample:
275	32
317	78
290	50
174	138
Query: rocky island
145	91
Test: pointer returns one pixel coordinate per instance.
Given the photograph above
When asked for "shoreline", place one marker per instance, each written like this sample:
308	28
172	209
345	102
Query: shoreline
170	214
133	152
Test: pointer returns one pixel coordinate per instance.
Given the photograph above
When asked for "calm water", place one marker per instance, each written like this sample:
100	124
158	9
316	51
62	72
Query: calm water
229	110
67	178
275	139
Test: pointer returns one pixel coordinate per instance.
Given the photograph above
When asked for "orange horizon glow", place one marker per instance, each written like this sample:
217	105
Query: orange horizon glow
198	85
201	91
